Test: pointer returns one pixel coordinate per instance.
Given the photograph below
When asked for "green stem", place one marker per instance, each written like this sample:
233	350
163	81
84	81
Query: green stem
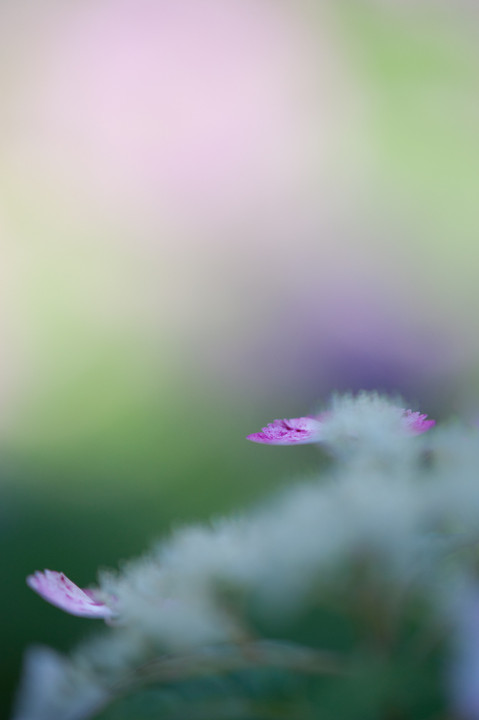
217	659
221	659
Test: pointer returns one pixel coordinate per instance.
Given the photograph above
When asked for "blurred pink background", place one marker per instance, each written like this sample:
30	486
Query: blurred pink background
274	199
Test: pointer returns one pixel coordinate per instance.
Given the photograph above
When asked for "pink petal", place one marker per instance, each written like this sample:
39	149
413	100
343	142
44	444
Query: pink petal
296	431
414	423
57	589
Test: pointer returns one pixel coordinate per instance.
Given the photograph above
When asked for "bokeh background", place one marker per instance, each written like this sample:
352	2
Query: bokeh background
213	214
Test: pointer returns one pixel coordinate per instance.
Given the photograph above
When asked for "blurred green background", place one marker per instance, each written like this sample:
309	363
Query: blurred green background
214	214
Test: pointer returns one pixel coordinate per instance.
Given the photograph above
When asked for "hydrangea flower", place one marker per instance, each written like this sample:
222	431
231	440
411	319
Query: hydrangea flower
57	589
304	430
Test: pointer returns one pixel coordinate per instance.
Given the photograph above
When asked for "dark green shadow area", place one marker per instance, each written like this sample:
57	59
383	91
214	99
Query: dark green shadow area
105	496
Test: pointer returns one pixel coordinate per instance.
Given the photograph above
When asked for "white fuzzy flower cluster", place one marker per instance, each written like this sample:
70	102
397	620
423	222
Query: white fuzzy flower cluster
403	504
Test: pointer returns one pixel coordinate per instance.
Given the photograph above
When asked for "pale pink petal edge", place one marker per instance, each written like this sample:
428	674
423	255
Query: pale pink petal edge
57	589
416	423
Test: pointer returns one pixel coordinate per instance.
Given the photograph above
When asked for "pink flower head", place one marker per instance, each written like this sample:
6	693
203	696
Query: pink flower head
304	430
57	589
297	431
414	423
